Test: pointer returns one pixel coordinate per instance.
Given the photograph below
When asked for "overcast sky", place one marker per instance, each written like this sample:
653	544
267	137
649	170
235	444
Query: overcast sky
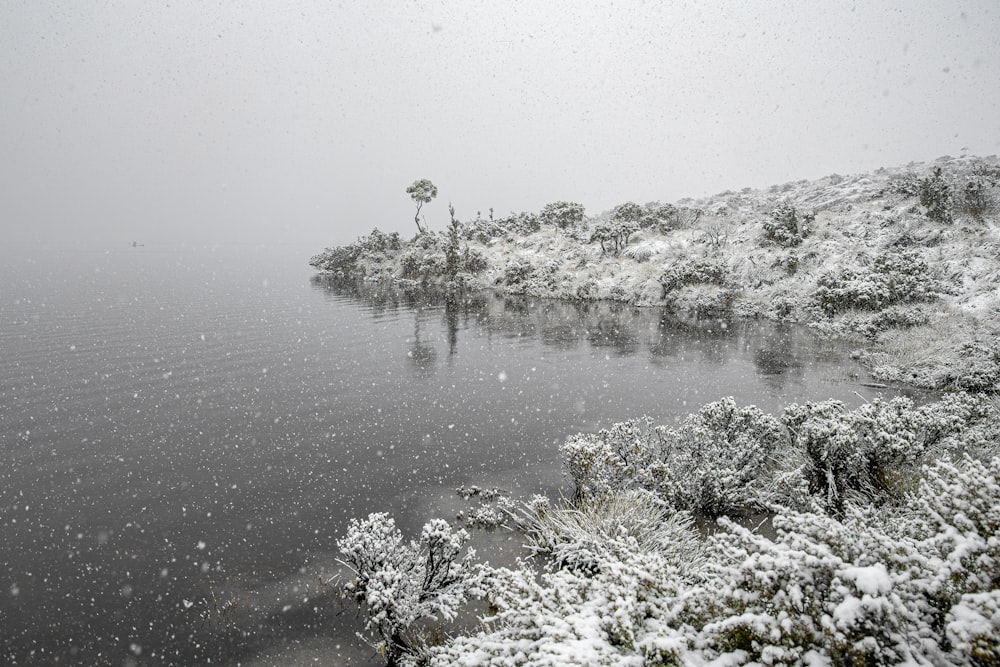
304	122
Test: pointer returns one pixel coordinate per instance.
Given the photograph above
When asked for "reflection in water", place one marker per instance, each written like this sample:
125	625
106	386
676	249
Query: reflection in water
779	351
422	354
451	321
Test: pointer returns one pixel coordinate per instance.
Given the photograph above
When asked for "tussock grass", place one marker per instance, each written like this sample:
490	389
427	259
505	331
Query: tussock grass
597	523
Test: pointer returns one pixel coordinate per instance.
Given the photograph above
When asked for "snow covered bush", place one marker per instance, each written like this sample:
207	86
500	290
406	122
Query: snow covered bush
786	227
518	224
398	583
974	627
344	260
721	458
979	196
810	595
875	449
517	271
628	455
702	300
339	260
936	197
894	278
717	462
916	585
694	271
609	616
561	214
660	217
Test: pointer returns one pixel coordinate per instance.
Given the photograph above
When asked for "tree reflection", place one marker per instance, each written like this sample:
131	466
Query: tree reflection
451	322
778	351
422	355
711	339
775	353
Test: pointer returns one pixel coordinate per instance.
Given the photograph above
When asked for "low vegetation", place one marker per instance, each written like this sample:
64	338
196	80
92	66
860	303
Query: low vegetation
883	547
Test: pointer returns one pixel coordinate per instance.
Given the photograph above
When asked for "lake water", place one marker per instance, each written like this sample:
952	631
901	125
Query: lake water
184	433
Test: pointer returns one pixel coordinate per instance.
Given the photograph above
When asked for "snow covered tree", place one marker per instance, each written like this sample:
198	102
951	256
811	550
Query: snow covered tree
422	192
452	252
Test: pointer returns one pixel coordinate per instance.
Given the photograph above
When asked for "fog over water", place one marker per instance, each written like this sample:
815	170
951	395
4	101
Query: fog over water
188	122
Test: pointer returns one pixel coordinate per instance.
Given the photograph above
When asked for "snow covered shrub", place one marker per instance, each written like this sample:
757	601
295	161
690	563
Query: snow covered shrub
659	217
895	278
340	260
852	451
875	449
399	583
577	536
979	367
614	615
418	264
702	300
472	261
587	291
344	260
522	224
955	532
718	461
979	197
627	455
974	627
786	227
379	242
561	214
905	185
517	271
688	216
629	212
692	271
936	197
893	317
913	585
816	594
484	230
959	505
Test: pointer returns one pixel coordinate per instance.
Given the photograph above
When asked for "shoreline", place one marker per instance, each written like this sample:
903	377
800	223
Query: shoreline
860	258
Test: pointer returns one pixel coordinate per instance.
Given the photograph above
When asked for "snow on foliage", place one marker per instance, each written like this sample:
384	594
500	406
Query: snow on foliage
716	462
399	583
871	571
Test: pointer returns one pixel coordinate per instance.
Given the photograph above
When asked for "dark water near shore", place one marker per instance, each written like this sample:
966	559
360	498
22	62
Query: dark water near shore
184	433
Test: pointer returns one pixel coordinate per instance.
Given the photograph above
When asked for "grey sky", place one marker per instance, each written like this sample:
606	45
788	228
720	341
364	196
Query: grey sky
303	122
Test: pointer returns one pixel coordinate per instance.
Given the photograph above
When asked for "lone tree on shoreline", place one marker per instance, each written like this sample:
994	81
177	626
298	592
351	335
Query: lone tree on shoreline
422	192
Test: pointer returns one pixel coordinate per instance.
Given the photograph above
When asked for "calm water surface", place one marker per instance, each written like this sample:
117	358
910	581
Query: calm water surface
184	433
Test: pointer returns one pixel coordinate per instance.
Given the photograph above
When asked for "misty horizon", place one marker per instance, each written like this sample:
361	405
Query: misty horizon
184	124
